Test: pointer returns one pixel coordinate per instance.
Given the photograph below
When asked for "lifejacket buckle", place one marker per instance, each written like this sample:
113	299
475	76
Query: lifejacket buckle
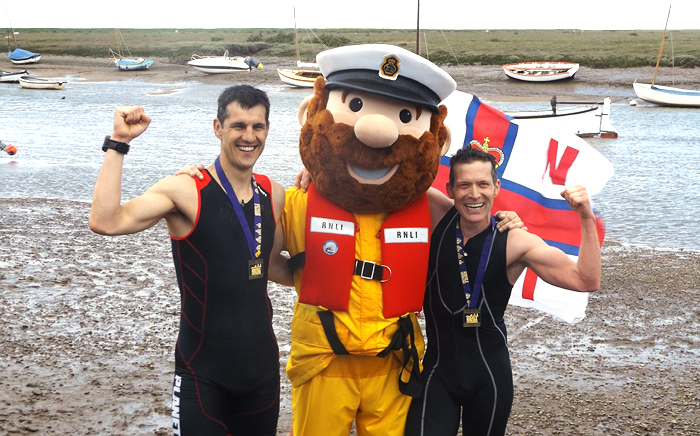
365	266
369	270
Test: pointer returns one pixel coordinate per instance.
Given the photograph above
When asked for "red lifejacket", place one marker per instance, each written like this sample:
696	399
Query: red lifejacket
330	255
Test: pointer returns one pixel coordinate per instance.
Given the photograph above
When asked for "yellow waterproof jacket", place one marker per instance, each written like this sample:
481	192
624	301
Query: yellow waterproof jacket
362	329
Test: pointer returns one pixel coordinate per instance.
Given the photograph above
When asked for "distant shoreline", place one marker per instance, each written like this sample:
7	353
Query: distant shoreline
486	81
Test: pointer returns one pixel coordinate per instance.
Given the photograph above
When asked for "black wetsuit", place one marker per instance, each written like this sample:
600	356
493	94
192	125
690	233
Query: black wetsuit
466	369
226	359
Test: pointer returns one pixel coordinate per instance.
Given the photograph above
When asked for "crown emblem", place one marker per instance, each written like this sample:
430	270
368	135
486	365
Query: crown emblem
390	67
490	150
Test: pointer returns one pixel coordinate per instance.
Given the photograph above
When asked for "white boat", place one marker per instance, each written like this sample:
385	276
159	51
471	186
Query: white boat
12	77
666	95
223	64
38	83
588	121
541	71
305	74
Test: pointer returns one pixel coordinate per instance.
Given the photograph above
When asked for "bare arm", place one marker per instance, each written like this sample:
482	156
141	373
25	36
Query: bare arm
551	264
107	215
278	271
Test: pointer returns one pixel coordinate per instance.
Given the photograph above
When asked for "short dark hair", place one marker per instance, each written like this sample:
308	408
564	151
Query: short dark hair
246	96
470	154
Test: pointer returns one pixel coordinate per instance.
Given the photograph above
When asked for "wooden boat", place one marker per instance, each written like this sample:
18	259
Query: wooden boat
303	78
305	74
592	120
12	77
39	83
541	71
666	95
127	63
223	64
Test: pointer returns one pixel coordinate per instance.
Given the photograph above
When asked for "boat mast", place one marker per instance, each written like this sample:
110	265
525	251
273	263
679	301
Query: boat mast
418	29
296	38
663	37
119	50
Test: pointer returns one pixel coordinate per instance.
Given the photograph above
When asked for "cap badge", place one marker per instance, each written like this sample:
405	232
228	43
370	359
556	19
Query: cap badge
390	67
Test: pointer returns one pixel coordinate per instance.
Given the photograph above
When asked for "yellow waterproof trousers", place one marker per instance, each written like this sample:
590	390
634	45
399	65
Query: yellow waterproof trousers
364	389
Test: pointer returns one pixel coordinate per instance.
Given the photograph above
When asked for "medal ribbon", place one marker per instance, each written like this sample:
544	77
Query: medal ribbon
254	244
472	294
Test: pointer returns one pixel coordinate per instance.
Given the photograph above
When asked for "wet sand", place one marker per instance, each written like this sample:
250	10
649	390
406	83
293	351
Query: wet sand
89	322
487	82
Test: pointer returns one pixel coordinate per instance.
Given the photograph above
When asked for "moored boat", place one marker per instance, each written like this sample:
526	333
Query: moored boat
12	77
130	63
21	57
303	78
39	83
588	121
223	64
541	71
305	74
667	95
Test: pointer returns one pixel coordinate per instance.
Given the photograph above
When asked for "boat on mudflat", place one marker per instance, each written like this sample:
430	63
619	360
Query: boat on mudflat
303	78
588	121
541	71
20	57
11	76
223	64
39	83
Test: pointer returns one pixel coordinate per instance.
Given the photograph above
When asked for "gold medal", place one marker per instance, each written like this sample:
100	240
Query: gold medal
472	318
255	269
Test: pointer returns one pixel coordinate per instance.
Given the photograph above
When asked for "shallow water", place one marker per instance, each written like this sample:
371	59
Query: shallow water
651	200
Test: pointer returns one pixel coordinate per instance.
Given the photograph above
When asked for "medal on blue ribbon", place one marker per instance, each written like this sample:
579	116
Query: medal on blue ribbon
472	313
254	242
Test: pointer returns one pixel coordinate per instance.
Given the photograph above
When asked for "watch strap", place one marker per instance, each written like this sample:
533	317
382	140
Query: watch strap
121	147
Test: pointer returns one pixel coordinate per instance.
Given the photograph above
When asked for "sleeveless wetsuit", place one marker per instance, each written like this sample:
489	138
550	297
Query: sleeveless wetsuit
466	369
226	359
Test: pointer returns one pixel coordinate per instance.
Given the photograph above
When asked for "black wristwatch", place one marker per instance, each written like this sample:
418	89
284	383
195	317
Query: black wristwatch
121	147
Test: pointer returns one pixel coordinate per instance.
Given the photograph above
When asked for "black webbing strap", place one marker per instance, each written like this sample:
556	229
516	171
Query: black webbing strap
413	387
326	317
297	261
368	270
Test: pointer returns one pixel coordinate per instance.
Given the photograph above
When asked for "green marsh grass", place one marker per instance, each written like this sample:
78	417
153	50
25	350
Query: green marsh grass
595	49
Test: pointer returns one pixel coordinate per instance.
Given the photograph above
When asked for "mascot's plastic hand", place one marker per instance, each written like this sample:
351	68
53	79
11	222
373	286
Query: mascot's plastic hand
129	122
302	180
192	171
577	197
509	220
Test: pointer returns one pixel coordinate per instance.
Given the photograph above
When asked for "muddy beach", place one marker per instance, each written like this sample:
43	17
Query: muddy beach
89	322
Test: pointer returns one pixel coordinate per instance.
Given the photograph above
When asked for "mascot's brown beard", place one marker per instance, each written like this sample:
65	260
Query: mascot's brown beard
326	147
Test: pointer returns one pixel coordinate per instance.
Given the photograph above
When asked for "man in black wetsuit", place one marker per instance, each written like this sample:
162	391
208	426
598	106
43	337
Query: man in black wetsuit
223	230
472	271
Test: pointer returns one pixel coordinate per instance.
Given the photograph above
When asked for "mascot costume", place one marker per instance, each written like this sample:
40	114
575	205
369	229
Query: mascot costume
372	137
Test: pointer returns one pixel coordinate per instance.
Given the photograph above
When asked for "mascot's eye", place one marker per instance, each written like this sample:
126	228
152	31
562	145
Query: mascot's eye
405	116
356	104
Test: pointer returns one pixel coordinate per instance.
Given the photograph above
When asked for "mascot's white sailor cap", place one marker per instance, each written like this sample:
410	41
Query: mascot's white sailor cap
386	70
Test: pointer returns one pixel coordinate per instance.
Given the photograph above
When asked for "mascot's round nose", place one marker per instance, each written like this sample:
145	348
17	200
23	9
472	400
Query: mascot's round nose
376	131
